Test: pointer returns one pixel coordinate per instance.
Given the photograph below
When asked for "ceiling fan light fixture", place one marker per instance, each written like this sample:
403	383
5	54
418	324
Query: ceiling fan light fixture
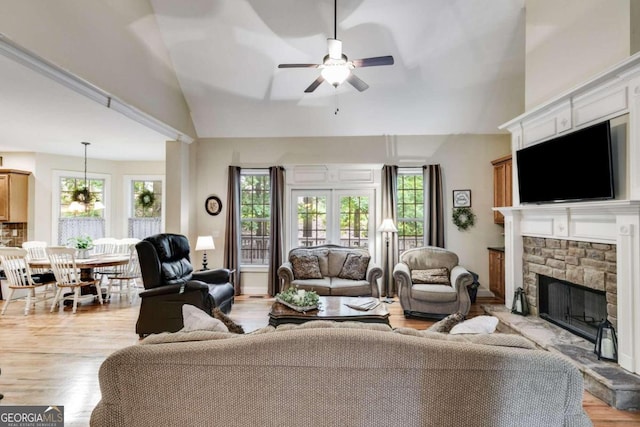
335	74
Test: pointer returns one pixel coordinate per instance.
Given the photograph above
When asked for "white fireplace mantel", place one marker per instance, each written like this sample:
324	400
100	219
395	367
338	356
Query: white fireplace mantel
613	93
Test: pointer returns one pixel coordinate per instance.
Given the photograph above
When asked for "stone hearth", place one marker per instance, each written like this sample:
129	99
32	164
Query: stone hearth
605	380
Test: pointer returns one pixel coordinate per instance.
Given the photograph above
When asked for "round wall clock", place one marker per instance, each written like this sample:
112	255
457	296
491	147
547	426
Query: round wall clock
213	205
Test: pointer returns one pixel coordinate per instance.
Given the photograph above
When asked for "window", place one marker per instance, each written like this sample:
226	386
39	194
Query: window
145	216
331	216
80	207
147	198
75	202
255	214
411	220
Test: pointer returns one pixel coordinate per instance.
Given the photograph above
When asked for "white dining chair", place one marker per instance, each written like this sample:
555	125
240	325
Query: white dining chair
18	274
126	279
36	250
63	264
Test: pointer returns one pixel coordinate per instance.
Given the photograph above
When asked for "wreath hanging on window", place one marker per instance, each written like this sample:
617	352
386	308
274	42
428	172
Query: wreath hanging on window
146	198
81	195
464	218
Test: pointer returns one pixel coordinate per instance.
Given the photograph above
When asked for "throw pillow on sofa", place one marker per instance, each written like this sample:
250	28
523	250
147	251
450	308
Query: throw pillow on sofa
305	267
354	267
195	319
476	325
446	324
432	276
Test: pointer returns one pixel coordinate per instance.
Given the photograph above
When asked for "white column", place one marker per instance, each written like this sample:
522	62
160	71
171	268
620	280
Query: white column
628	291
513	247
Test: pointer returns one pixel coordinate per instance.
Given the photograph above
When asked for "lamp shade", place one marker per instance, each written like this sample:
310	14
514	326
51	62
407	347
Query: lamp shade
205	243
387	226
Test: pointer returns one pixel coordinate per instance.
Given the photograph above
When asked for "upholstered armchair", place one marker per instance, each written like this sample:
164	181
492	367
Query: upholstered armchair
431	283
170	282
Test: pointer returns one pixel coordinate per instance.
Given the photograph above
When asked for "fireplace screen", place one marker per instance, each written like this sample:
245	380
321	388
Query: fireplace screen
572	307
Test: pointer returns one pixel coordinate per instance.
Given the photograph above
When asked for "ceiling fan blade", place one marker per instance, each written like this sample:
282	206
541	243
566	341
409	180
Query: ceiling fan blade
357	82
372	62
317	82
298	65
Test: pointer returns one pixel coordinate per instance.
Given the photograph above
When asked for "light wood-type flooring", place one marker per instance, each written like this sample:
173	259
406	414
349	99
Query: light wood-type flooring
53	358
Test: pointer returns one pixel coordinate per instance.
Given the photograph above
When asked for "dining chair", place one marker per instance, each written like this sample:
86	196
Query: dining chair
63	264
16	269
36	251
126	278
122	246
104	246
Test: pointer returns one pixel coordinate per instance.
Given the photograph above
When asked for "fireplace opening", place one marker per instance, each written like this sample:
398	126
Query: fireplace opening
572	307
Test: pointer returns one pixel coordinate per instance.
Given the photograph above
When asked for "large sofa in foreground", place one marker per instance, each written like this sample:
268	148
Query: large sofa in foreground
338	374
331	270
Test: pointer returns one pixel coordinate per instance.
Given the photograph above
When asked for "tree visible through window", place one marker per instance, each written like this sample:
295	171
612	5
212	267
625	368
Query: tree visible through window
354	221
255	205
410	210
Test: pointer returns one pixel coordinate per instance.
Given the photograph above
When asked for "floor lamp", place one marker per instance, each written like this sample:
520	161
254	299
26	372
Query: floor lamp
387	228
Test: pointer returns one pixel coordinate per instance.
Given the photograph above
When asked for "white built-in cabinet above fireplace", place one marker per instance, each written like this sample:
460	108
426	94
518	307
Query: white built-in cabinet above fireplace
609	95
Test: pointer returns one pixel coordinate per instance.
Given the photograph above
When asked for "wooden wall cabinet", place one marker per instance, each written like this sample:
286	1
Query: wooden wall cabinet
14	195
502	186
496	272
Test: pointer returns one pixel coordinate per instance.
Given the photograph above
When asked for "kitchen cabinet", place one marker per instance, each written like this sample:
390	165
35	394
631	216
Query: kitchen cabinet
14	195
502	186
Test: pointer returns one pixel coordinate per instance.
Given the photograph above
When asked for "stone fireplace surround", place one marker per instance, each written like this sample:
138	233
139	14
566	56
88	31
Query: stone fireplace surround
592	265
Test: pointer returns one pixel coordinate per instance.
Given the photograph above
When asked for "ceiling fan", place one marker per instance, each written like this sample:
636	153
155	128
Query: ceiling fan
336	67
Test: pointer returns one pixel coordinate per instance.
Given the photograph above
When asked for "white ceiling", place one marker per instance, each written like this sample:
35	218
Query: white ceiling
459	68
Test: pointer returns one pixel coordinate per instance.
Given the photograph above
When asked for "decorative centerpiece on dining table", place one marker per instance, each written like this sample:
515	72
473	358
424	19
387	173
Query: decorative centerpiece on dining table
299	299
83	244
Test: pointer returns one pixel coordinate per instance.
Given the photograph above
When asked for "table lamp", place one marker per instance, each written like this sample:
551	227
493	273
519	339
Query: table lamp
203	244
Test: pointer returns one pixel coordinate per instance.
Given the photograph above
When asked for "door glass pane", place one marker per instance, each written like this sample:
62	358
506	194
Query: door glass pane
312	220
354	221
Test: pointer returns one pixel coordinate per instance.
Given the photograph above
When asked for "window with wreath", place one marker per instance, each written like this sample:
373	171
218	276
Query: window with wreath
255	213
81	208
145	217
411	219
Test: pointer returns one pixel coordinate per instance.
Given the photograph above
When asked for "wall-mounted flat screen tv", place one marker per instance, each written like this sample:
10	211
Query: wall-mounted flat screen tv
577	166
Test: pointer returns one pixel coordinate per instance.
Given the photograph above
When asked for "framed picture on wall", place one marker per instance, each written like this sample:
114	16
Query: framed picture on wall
461	198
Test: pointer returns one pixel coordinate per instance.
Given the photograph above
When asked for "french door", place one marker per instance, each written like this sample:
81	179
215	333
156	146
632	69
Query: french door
340	217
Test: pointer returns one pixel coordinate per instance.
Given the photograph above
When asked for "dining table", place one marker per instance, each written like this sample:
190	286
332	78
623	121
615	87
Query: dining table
87	267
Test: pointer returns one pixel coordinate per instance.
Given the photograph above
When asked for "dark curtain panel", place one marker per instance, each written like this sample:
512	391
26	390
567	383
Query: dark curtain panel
234	227
389	210
276	237
435	205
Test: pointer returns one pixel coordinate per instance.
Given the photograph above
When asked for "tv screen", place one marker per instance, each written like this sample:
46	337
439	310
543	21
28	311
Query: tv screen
576	166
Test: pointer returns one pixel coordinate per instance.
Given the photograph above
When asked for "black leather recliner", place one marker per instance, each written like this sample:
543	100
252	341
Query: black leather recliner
170	282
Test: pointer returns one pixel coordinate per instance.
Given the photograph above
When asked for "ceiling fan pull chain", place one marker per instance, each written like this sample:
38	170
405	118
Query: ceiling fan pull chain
337	103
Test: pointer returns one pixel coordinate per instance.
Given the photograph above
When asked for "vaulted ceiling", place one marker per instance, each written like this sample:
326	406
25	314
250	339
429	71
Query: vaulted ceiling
459	68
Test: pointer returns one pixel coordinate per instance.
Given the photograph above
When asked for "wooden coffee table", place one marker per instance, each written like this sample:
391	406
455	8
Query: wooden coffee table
331	308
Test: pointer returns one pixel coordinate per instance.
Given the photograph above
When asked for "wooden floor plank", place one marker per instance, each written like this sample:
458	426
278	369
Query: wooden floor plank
53	358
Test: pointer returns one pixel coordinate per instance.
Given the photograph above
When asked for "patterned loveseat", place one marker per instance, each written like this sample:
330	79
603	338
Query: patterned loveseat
331	270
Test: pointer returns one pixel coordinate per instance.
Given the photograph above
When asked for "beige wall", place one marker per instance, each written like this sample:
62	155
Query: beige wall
465	161
43	166
569	41
113	44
